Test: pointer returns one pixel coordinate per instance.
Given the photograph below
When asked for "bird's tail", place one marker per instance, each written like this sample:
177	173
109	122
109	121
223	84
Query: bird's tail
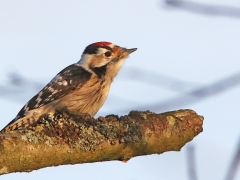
17	124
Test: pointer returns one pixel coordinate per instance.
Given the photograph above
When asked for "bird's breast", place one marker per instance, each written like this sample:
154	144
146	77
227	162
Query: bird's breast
87	99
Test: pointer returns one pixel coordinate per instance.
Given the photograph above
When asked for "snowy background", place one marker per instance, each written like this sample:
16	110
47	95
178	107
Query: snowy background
188	57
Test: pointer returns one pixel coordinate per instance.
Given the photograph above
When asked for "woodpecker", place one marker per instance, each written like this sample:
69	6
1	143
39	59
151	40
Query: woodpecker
80	88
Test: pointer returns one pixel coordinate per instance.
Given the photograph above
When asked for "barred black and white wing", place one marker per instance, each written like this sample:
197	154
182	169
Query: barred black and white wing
64	83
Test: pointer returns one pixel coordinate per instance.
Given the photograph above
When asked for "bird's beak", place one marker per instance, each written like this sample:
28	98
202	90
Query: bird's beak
120	51
129	51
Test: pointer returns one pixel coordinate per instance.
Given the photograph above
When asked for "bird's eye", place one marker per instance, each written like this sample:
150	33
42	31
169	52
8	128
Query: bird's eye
108	53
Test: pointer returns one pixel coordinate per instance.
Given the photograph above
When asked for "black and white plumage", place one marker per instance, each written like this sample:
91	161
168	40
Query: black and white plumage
80	88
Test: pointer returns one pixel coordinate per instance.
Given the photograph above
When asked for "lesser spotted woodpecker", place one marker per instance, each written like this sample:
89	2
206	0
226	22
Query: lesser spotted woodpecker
80	88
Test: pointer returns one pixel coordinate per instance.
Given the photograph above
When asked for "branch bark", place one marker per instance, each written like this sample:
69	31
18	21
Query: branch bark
63	138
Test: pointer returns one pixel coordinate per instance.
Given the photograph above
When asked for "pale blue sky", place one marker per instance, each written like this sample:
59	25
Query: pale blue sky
40	38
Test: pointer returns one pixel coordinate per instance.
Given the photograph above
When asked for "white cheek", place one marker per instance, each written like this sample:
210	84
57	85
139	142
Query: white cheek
103	62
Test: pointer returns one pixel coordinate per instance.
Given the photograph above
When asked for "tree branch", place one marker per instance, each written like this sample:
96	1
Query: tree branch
63	138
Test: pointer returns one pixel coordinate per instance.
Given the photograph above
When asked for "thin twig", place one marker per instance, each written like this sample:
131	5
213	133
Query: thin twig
234	164
205	9
191	163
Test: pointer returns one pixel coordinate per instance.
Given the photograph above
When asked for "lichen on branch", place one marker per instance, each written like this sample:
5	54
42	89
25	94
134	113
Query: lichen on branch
63	138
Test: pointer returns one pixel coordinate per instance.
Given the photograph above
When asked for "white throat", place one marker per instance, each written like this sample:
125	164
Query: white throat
85	61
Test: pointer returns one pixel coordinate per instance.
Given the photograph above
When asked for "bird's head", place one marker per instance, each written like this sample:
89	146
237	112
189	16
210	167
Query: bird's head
104	58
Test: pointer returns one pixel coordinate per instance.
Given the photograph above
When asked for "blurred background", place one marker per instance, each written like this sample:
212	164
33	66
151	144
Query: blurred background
188	57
